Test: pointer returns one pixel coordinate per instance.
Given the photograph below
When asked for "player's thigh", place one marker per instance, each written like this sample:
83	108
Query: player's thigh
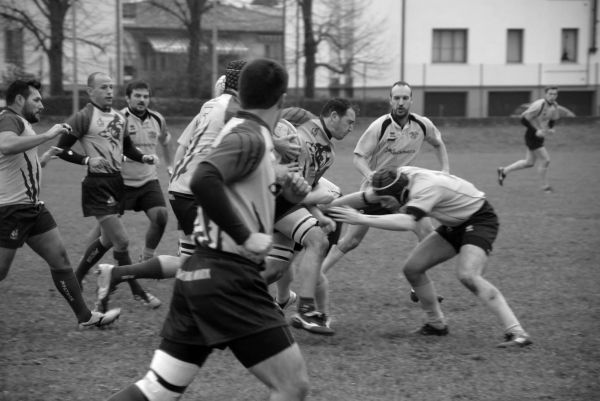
7	255
297	224
284	370
49	245
158	215
542	154
431	251
113	228
471	261
354	233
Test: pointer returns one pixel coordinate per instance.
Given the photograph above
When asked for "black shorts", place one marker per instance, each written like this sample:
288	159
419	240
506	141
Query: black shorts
249	350
185	210
102	194
219	297
480	230
532	141
143	198
19	222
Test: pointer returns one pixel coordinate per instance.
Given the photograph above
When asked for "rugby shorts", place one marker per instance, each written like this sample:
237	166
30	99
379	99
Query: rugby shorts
480	230
185	211
532	141
219	297
19	222
143	198
102	194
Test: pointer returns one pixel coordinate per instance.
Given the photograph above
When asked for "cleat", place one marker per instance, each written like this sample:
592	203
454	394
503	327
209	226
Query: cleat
429	330
515	340
148	300
501	175
313	322
103	281
100	319
290	301
415	298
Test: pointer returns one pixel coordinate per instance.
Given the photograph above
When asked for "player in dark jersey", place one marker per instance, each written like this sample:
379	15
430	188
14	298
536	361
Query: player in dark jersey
220	299
468	229
539	119
23	216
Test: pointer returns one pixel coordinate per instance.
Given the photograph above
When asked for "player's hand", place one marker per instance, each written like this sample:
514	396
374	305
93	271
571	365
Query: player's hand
98	164
50	154
295	187
541	133
257	246
170	171
345	214
150	159
288	147
58	129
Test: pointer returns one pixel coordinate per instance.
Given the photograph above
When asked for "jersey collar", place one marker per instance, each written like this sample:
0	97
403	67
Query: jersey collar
325	129
142	117
103	109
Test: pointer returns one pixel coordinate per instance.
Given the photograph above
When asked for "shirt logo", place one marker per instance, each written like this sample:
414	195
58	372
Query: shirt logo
469	228
111	201
100	123
14	234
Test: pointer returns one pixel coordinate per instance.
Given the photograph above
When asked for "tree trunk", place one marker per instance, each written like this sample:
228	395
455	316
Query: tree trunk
310	49
57	11
194	66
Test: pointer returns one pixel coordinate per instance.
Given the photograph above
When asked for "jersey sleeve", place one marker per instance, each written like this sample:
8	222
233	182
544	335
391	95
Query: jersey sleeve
533	110
432	134
80	121
423	199
237	155
367	143
11	123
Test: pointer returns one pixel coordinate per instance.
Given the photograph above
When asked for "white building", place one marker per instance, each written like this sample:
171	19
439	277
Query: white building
475	58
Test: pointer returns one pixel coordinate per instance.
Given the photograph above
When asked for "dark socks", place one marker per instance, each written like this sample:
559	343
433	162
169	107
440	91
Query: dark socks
67	285
306	304
91	256
148	269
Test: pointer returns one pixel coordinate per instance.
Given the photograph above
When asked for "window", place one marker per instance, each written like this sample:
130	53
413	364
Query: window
13	46
514	46
129	10
569	46
449	46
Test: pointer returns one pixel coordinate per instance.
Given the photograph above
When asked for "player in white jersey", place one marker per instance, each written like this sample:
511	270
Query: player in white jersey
393	140
468	228
220	299
539	118
23	216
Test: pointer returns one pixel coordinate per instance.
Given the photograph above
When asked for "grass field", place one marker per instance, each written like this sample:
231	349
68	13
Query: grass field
545	261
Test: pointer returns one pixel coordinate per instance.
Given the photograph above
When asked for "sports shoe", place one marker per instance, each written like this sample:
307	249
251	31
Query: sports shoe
520	339
415	298
314	322
501	175
290	301
148	300
429	330
100	319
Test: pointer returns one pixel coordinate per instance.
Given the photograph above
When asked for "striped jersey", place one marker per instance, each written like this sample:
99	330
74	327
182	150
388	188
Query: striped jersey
386	144
21	173
198	138
243	155
145	133
447	198
101	134
542	112
317	151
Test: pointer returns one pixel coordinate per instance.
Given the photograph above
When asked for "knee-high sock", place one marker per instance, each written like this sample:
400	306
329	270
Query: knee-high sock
66	283
92	255
149	269
123	258
429	303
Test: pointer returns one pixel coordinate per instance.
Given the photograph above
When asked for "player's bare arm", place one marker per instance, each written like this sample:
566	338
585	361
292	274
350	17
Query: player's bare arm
362	165
395	222
11	143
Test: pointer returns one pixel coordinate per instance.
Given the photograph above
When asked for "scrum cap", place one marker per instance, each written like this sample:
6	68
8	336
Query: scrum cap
389	181
232	73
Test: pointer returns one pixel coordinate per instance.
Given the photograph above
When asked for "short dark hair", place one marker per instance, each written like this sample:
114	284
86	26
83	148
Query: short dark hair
136	85
262	82
550	88
339	105
21	87
400	83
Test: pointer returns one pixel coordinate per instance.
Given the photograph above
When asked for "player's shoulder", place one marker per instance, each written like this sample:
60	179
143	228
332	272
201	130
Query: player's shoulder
157	116
297	115
10	121
420	119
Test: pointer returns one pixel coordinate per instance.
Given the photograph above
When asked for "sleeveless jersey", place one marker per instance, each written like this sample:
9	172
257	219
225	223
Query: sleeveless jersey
449	199
198	138
250	192
21	173
317	152
145	134
386	144
101	134
542	112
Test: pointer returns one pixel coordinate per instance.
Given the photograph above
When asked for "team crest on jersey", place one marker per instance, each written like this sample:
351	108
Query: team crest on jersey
152	134
111	201
99	122
14	234
131	129
413	134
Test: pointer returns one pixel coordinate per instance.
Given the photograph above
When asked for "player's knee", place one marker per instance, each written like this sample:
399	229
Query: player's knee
161	217
298	389
412	271
348	243
316	240
154	388
167	378
528	163
545	163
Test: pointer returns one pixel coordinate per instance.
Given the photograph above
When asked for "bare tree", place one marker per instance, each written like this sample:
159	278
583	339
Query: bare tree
351	45
189	13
